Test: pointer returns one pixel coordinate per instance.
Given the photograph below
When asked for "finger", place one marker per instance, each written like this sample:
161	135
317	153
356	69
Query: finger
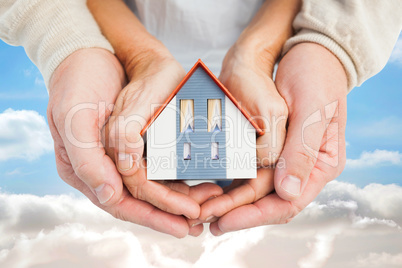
143	213
199	193
196	230
135	106
161	196
249	192
125	142
299	155
310	79
271	209
130	209
270	144
204	191
87	155
257	93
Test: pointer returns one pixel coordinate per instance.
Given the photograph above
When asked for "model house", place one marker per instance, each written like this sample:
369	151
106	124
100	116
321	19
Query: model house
201	132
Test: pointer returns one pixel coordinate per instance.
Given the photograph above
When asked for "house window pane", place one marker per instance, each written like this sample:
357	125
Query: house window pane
215	151
214	115
186	151
186	115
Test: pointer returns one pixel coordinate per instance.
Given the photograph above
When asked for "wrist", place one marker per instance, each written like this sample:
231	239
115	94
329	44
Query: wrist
136	59
261	54
263	39
311	71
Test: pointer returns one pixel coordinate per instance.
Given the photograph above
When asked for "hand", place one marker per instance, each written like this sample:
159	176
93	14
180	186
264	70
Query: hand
152	79
314	85
247	73
248	76
80	85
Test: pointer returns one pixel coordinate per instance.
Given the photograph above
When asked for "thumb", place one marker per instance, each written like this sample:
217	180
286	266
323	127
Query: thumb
90	163
309	78
127	145
299	155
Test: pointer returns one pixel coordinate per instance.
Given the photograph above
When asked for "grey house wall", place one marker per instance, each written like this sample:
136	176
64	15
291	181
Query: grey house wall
200	87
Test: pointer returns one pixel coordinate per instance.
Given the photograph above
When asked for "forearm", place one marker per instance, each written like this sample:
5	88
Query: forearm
270	28
131	41
361	35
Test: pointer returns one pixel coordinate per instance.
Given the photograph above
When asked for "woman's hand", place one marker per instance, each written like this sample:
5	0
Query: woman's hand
152	79
248	76
247	73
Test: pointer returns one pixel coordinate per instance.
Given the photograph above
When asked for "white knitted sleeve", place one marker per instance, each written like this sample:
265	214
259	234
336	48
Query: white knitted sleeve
360	33
49	30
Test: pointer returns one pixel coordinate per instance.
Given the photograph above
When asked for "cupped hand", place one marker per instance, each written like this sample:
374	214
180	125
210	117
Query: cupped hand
82	92
153	77
248	76
314	85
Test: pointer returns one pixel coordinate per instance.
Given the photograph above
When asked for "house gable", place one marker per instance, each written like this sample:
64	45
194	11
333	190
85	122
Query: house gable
200	88
190	148
199	63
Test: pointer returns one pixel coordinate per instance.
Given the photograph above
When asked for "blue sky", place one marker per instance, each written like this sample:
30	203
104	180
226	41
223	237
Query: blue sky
374	123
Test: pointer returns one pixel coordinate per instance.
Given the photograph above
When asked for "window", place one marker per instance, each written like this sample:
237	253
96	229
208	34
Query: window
187	151
215	151
186	115
214	115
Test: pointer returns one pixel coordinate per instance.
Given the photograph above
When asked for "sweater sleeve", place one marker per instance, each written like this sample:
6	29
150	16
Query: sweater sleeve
49	30
360	33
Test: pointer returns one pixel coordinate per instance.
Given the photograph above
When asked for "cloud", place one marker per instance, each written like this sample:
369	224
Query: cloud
27	72
14	172
387	128
25	95
39	81
18	172
346	226
396	55
24	134
375	158
379	260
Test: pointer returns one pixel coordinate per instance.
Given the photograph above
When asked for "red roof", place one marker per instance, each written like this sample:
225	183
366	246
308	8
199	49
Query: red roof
220	85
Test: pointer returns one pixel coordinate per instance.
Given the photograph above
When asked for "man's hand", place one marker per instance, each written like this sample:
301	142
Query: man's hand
314	85
82	92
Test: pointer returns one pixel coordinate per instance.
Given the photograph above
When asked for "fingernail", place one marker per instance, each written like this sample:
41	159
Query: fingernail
291	185
209	218
125	161
212	197
218	232
104	193
195	224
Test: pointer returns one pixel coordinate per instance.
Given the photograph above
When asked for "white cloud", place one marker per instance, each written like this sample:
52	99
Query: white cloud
27	72
24	134
346	226
321	249
14	172
396	55
39	81
18	172
25	95
379	260
375	158
387	128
